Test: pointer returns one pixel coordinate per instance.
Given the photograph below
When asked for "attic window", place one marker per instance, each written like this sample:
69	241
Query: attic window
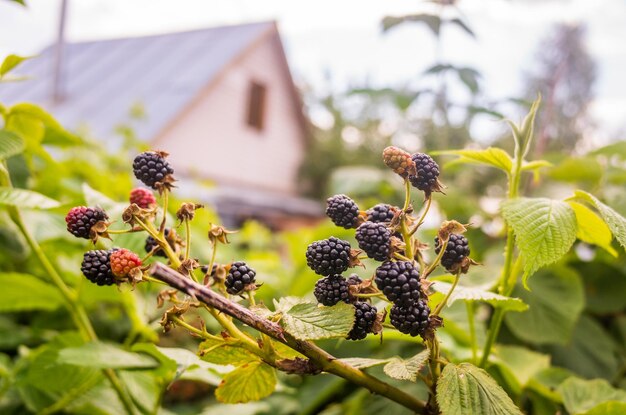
256	105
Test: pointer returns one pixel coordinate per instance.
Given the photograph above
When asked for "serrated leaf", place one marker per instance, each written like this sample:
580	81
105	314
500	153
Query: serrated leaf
10	144
26	199
12	61
284	304
492	156
312	322
364	362
520	363
104	356
581	395
616	222
592	229
545	230
466	389
476	294
250	382
407	369
223	353
24	292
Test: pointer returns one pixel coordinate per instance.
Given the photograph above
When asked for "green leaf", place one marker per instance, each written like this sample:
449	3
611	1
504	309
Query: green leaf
520	363
523	134
605	285
10	62
469	77
23	292
592	229
312	322
224	353
26	199
407	369
616	149
535	164
104	356
492	156
462	25
545	230
556	301
363	362
250	382
616	222
466	389
432	21
581	395
581	169
34	123
476	294
10	144
608	408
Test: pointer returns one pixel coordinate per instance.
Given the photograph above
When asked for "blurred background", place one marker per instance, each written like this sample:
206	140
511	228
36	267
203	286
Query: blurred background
267	108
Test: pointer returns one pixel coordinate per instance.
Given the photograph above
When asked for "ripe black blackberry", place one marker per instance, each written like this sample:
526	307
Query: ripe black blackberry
381	213
81	219
427	175
456	251
399	281
331	290
96	266
354	280
364	319
375	240
328	256
412	320
151	243
239	276
151	168
343	211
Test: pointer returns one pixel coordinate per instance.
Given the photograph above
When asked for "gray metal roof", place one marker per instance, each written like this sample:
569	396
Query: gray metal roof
103	79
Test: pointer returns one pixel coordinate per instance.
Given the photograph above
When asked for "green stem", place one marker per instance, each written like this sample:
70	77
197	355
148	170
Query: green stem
407	195
435	263
165	205
442	304
472	329
187	239
423	216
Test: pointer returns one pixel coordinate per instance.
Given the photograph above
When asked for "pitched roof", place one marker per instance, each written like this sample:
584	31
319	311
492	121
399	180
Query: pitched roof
102	80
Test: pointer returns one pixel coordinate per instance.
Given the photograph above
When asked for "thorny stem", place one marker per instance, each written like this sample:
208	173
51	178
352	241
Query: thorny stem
165	206
316	355
443	302
187	238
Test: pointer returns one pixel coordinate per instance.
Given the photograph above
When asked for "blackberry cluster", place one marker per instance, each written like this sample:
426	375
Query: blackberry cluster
412	320
81	219
151	168
375	240
399	281
239	276
427	173
151	243
331	290
343	211
456	251
364	319
381	213
96	266
143	198
328	256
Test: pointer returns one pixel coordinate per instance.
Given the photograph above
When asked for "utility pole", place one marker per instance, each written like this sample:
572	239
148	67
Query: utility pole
57	80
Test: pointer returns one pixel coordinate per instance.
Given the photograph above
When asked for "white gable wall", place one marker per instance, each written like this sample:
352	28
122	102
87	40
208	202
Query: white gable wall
212	139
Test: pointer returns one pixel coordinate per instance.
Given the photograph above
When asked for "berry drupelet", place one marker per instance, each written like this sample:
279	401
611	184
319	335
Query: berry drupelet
96	266
329	256
239	277
375	240
399	281
364	319
81	219
331	290
152	169
343	211
412	320
456	252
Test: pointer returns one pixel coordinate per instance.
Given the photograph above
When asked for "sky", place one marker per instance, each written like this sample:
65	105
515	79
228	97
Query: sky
344	38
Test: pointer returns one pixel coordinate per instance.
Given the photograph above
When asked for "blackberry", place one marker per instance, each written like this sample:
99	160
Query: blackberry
354	280
151	168
399	161
143	198
411	320
456	251
81	219
151	243
96	266
374	239
426	178
343	211
381	213
239	276
399	281
123	262
331	290
364	319
328	256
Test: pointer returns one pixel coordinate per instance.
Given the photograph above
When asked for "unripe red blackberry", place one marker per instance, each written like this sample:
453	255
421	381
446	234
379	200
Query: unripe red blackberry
412	320
375	240
123	262
151	243
143	198
343	211
328	256
239	276
399	281
456	251
399	161
96	266
364	319
427	173
151	168
331	290
381	213
81	219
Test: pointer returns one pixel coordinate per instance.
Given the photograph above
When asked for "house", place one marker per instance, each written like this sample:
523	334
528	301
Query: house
221	101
